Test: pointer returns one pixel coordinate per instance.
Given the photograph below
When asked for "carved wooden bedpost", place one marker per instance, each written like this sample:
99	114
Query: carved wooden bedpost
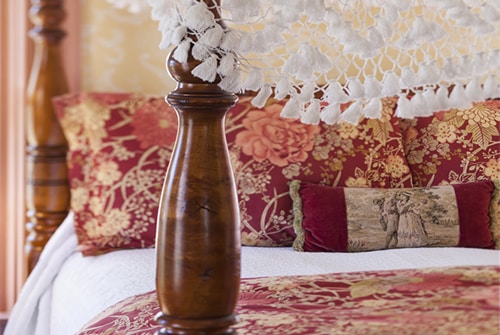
198	238
47	190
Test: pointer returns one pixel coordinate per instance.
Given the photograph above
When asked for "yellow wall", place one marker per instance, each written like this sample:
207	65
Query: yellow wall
120	51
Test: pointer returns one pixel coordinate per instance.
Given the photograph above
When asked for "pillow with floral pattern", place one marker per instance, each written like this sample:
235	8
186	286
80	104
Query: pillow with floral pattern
120	145
268	152
457	146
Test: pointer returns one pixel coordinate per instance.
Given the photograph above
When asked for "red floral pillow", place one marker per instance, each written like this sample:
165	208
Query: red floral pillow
358	219
120	145
268	151
457	146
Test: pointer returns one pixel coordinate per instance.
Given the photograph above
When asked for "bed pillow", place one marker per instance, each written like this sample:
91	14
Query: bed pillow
359	219
120	146
268	151
457	146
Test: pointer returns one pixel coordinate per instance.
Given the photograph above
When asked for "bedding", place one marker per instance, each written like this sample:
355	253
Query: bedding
63	276
440	301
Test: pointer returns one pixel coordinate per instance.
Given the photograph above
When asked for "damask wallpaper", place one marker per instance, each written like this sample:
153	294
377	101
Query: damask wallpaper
120	51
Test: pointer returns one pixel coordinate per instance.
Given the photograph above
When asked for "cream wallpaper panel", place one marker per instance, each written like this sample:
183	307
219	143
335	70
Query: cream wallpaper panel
120	51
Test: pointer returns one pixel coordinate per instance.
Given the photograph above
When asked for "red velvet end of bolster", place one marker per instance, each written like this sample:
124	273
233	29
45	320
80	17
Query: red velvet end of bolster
473	201
324	218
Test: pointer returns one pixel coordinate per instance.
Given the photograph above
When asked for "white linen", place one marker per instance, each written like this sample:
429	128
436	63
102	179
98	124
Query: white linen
31	313
77	287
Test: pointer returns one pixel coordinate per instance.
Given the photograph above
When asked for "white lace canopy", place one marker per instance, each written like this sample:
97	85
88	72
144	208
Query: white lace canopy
432	54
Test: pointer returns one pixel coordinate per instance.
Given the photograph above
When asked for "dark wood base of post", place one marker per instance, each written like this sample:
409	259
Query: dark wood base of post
173	326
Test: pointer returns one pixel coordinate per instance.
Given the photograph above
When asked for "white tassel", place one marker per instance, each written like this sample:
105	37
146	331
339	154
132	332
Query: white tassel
419	105
458	98
207	70
283	88
330	114
448	69
428	74
200	52
166	40
390	84
307	92
491	88
441	99
480	64
474	91
232	83
321	62
260	99
353	113
226	65
311	114
429	97
212	37
373	109
292	64
292	109
335	93
373	88
230	41
199	18
255	80
408	78
181	53
355	88
404	108
178	35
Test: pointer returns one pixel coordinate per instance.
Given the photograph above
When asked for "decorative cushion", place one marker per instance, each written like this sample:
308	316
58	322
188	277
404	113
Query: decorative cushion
360	219
268	151
119	145
457	146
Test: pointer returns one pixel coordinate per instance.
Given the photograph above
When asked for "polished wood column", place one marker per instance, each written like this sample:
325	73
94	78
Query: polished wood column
47	191
198	237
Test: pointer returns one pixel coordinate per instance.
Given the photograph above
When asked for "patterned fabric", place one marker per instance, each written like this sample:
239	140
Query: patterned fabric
267	152
454	301
360	219
120	145
457	146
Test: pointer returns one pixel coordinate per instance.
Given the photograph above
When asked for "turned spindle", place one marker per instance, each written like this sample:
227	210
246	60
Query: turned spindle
198	236
47	190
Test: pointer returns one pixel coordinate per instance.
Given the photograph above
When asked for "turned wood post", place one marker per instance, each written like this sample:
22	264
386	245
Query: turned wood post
47	190
198	236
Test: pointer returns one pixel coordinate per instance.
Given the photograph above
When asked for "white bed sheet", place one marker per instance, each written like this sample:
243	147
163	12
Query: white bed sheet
84	286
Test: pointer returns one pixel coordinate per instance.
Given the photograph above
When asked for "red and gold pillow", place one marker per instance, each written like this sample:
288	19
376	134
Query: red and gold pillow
120	145
360	219
268	152
457	146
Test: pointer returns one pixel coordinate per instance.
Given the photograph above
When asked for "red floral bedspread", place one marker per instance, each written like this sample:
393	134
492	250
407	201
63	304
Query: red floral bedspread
458	300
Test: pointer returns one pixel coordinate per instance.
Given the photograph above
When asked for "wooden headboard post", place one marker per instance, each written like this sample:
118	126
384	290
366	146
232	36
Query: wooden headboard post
198	237
47	190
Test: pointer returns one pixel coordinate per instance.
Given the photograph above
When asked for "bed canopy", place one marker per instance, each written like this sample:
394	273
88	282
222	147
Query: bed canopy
318	54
